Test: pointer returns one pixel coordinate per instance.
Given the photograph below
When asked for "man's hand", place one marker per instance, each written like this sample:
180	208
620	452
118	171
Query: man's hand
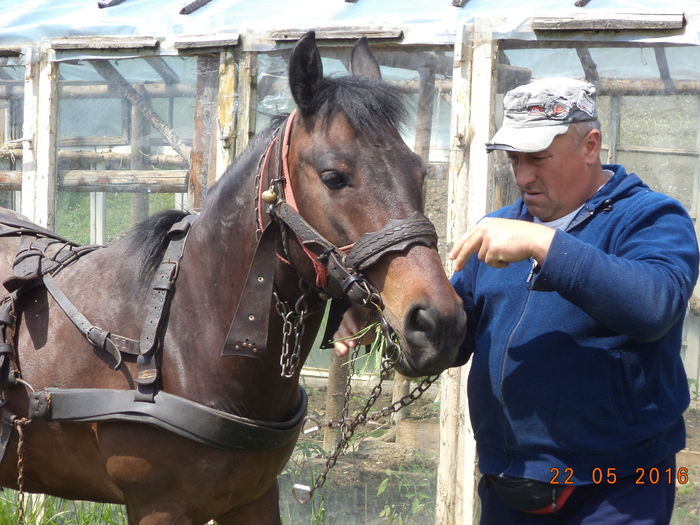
353	321
499	242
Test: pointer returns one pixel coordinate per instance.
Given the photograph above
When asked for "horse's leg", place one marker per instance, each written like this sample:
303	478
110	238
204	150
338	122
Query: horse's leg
157	513
263	511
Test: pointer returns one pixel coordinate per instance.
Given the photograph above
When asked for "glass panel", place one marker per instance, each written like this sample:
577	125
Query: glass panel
11	117
125	129
390	476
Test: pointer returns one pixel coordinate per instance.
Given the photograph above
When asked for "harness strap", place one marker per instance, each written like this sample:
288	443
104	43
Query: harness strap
247	334
99	338
163	289
7	324
172	413
395	236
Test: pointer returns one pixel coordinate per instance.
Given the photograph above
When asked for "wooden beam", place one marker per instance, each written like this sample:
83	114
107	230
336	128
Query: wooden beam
664	71
140	181
459	3
10	51
127	91
590	69
145	181
104	42
591	21
193	6
108	3
339	34
163	69
207	41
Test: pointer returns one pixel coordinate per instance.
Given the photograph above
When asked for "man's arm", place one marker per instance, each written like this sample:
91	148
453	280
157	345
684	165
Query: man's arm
499	242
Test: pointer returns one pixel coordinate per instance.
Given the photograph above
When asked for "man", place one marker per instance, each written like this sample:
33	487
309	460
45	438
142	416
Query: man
575	297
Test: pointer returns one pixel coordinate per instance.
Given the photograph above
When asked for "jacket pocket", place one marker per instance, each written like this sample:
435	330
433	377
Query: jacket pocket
622	388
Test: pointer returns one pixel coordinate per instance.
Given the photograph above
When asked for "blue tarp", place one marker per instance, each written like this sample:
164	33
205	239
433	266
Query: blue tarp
424	21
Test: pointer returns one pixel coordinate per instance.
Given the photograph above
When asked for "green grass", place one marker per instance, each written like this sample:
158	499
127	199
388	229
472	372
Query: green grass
48	510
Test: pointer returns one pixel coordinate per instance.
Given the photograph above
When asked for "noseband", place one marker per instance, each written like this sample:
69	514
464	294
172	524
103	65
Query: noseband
339	271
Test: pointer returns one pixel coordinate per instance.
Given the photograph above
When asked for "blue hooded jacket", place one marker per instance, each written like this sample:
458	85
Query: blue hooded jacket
576	364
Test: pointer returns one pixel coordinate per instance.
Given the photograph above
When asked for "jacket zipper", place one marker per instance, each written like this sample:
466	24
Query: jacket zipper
504	358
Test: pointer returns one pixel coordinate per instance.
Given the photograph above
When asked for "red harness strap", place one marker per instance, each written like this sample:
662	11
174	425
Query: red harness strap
320	269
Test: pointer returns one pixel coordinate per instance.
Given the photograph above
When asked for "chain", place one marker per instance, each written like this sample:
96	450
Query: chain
293	326
348	425
19	424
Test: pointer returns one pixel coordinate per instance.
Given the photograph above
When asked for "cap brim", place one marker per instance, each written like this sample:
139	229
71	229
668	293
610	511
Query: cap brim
525	139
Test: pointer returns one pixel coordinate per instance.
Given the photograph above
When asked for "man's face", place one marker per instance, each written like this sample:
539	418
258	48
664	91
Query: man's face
554	182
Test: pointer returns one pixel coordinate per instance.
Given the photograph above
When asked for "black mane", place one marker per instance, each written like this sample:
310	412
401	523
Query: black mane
371	105
147	241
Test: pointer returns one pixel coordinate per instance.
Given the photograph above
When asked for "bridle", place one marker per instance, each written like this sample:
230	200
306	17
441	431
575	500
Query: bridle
340	271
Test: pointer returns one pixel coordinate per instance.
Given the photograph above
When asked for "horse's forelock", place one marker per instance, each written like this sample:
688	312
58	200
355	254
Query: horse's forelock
370	105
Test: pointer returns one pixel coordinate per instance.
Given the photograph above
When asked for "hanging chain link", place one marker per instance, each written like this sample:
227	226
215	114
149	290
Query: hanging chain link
348	425
293	326
19	424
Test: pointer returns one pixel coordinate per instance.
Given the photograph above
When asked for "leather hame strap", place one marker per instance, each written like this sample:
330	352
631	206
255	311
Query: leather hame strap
175	414
163	288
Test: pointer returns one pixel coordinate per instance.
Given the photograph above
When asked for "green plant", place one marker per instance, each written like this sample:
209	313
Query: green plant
694	388
411	497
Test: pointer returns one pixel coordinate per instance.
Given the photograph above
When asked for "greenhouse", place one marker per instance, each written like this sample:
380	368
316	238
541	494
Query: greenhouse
114	110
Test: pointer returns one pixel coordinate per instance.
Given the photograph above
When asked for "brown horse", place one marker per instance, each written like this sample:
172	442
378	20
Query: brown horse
340	162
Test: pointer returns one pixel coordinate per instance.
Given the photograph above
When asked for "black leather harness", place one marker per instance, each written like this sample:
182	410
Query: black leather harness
34	267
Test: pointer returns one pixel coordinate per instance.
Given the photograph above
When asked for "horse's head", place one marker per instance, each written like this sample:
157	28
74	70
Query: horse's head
351	173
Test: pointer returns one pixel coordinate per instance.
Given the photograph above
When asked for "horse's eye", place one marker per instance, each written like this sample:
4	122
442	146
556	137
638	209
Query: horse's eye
334	180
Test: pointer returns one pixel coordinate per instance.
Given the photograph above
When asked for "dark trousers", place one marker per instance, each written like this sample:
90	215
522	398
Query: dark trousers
624	502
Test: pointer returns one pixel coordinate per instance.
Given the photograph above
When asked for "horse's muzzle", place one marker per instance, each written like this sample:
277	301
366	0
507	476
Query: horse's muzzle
432	340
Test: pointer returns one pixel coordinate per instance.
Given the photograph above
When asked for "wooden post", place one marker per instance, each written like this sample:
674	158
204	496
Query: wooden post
335	399
424	112
473	97
613	130
245	116
140	147
226	122
402	385
39	132
205	112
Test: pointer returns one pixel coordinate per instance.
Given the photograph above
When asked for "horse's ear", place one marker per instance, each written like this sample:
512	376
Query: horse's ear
363	62
305	72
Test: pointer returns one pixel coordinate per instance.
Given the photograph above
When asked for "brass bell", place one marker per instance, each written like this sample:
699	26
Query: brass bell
269	196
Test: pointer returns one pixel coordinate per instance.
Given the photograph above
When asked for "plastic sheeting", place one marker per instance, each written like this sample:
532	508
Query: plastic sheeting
423	21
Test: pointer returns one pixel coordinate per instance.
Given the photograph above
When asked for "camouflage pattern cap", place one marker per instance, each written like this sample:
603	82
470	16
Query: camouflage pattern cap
535	113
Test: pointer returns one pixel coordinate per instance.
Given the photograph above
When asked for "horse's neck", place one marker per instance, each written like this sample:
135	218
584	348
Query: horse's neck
214	269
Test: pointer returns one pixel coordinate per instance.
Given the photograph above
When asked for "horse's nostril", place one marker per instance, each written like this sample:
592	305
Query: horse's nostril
422	320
